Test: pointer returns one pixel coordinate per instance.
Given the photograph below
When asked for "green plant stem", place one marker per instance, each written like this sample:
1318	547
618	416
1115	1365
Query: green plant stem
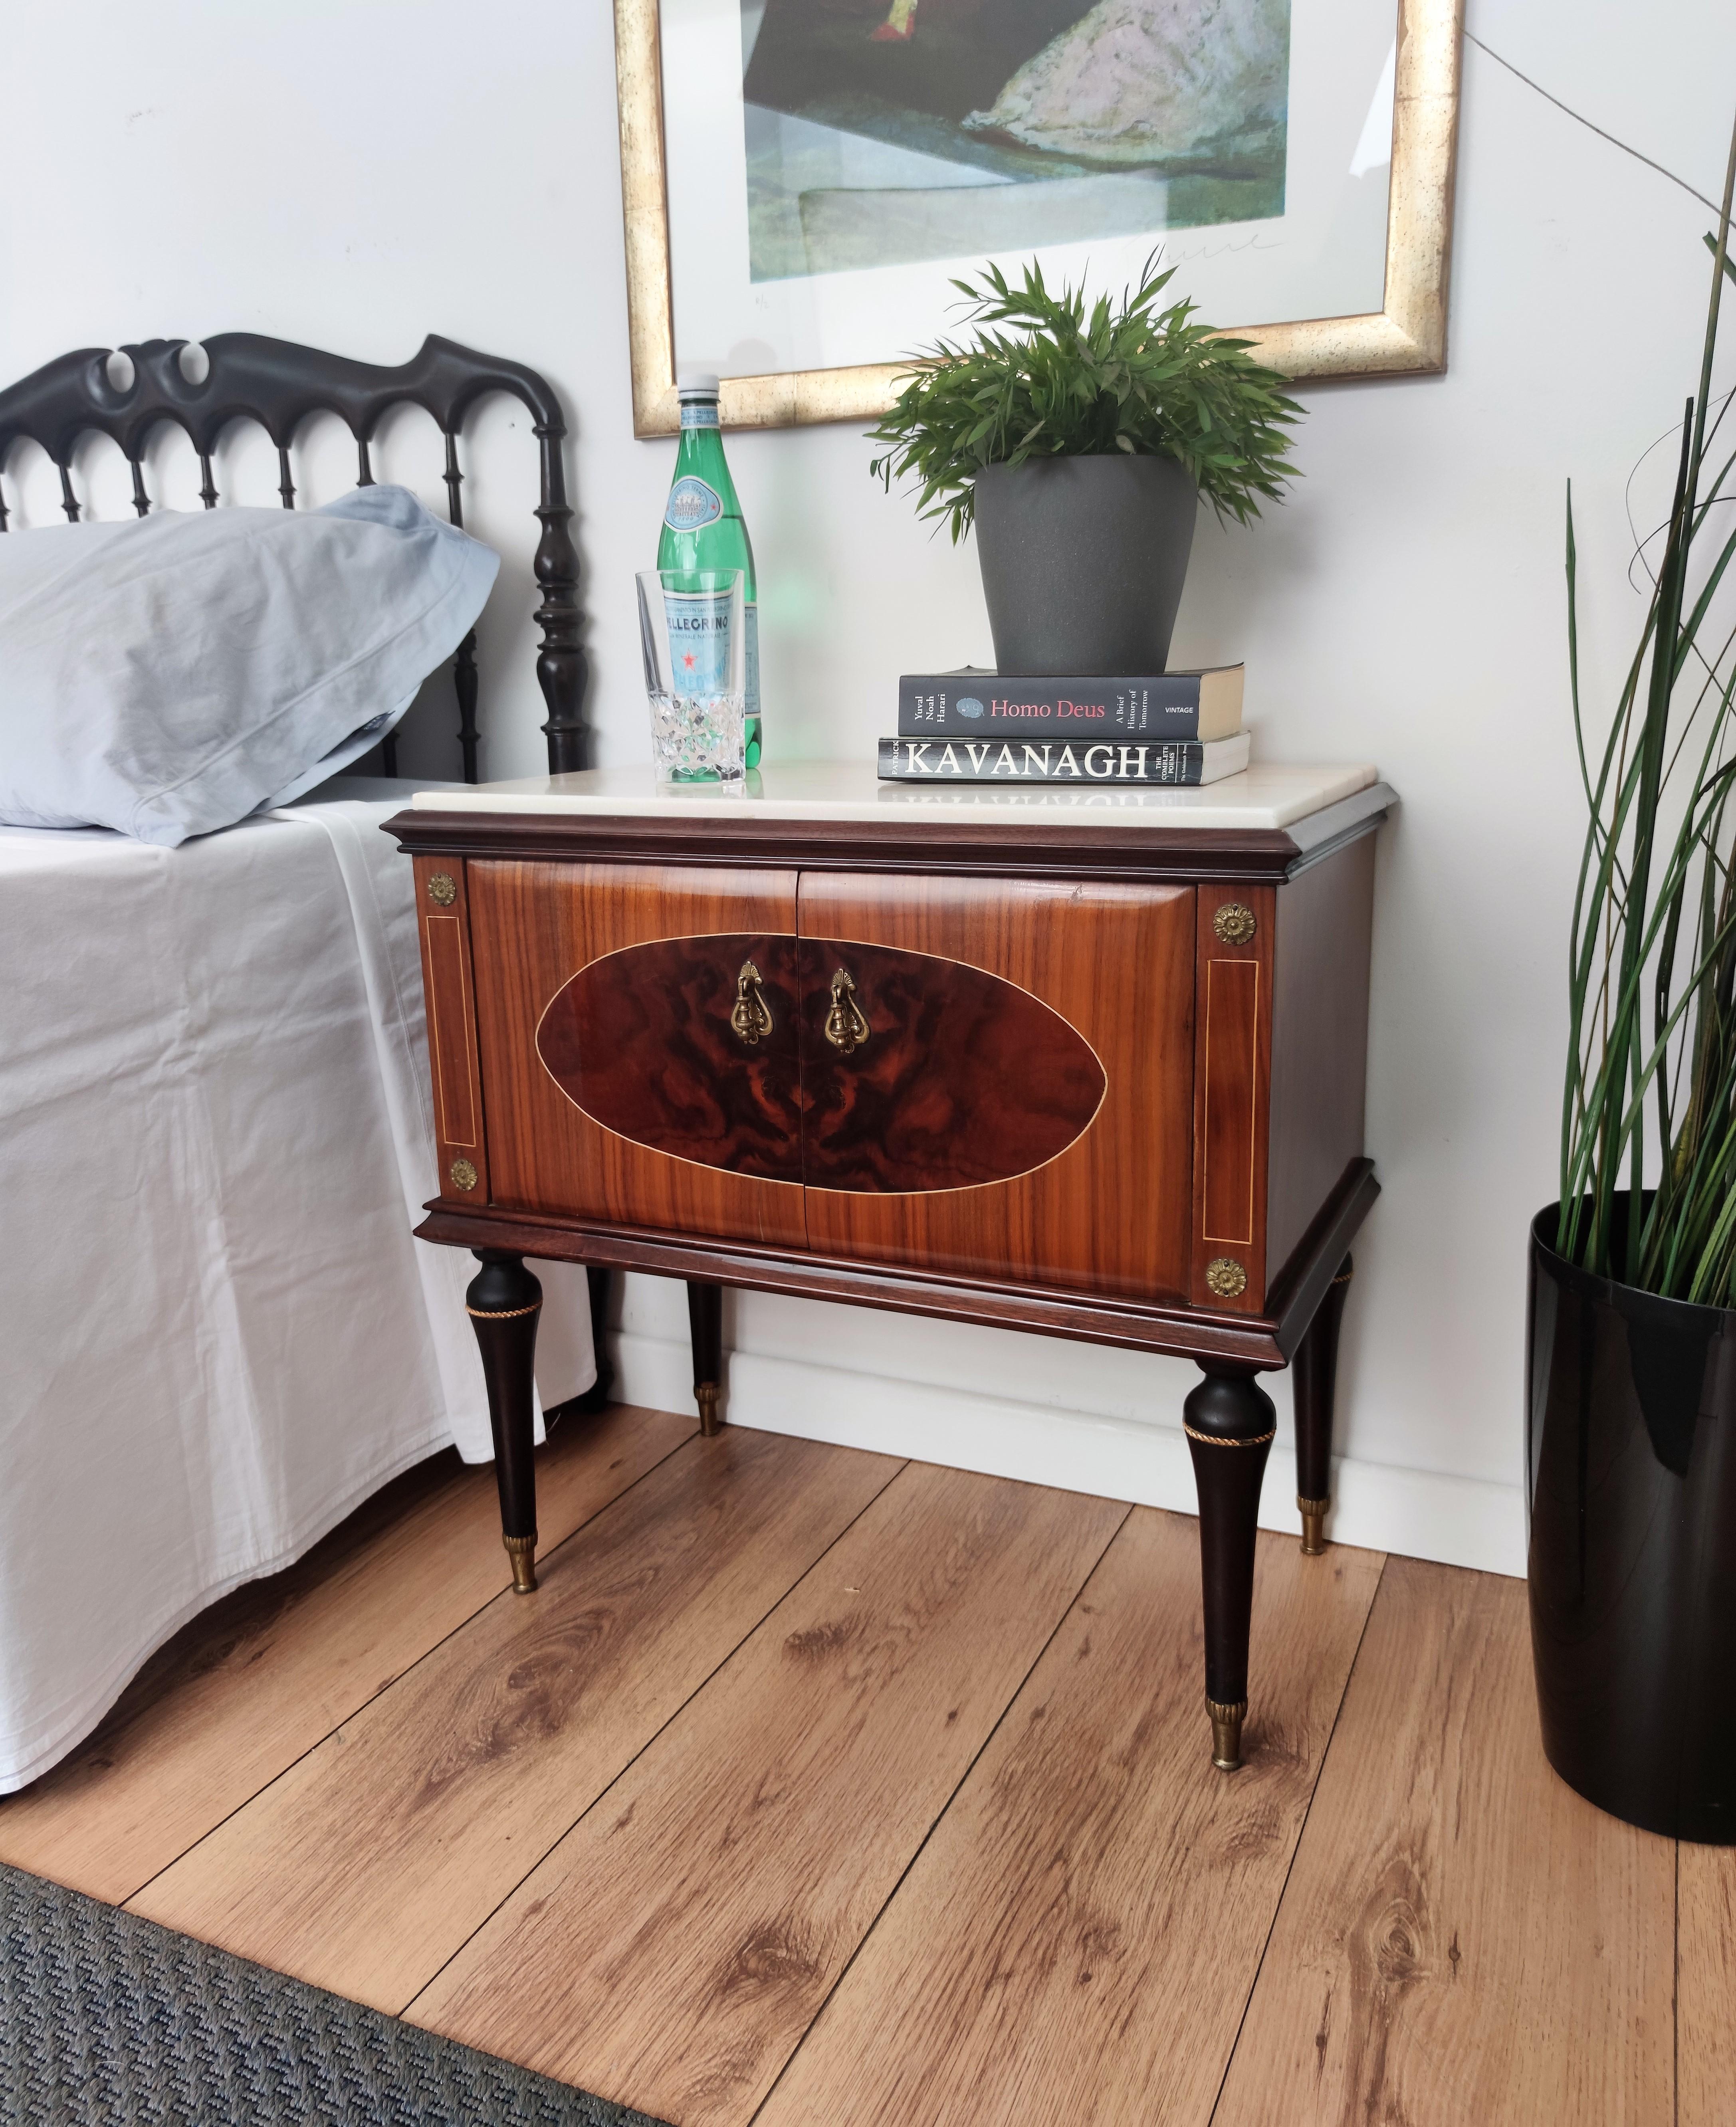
1653	929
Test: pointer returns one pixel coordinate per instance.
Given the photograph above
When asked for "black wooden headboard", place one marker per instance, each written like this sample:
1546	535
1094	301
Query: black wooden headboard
278	384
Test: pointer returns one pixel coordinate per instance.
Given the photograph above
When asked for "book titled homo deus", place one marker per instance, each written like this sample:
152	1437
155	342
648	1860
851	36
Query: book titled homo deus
1206	704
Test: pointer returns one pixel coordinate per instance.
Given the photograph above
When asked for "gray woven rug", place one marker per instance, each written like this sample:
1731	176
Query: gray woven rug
107	2020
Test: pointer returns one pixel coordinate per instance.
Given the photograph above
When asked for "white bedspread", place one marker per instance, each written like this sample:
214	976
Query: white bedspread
217	1334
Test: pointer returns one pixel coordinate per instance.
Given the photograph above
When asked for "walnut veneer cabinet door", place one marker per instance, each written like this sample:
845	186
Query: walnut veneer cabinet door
997	1077
637	1029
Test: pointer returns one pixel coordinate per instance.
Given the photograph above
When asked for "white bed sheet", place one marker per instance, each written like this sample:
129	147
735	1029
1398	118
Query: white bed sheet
217	1335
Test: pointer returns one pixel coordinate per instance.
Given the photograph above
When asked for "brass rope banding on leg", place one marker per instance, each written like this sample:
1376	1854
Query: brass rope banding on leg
500	1314
1222	1440
1343	1277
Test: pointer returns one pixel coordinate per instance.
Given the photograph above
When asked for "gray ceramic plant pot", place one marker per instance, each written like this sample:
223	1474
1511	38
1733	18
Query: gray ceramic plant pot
1083	561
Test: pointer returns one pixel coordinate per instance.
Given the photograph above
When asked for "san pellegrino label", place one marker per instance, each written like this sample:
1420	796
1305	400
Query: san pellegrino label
698	640
692	504
703	530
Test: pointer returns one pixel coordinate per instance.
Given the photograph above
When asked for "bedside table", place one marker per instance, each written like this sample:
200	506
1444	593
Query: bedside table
1087	1061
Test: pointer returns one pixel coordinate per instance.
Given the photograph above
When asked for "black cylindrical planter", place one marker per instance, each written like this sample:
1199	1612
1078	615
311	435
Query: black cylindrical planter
1083	561
1631	1424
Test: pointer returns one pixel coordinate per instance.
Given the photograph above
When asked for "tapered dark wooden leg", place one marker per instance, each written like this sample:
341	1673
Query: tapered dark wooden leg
602	1392
599	1279
706	1318
1314	1375
1229	1420
503	1301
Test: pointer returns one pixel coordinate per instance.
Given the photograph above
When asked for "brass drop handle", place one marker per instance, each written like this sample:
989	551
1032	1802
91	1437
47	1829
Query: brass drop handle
846	1028
752	1017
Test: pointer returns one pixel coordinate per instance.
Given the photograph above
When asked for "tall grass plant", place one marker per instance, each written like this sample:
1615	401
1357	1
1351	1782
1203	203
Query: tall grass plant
1651	1076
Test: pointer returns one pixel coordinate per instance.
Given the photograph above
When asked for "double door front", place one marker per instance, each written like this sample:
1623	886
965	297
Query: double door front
983	1076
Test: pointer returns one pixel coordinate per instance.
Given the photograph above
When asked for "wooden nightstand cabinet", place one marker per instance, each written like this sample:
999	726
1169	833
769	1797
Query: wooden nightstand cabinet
1098	1074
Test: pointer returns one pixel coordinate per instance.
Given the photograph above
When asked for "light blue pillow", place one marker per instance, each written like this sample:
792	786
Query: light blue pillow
171	675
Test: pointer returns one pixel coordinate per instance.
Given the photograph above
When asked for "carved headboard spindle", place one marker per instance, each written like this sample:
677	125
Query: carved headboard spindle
453	479
389	743
560	663
464	657
278	384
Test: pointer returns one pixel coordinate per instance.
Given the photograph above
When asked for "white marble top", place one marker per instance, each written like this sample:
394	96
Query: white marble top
1262	796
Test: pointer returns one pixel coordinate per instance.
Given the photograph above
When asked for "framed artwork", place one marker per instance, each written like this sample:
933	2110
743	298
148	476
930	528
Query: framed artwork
803	180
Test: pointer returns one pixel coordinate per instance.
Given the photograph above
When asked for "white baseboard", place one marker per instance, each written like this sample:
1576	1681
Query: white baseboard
1455	1521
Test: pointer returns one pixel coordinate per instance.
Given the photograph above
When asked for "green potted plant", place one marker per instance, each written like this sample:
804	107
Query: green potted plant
1631	1402
1080	446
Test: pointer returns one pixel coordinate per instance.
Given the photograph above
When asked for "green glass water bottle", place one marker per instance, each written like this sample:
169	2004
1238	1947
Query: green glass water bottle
702	523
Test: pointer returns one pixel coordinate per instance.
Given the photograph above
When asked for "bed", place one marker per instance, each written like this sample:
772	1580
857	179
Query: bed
218	1335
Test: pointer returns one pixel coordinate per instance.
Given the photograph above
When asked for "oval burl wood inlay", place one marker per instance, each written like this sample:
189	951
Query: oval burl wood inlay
641	1041
965	1079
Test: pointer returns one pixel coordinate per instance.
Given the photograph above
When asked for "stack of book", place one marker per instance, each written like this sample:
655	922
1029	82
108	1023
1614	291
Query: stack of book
989	727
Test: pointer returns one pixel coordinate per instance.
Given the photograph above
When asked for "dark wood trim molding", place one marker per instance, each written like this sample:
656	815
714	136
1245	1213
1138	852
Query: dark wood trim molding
1064	850
1261	1342
1296	1293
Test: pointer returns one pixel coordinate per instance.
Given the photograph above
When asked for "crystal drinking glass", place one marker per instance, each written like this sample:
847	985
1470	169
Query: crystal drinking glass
693	633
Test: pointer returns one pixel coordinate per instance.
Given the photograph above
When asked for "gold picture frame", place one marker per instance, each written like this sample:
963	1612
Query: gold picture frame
1409	334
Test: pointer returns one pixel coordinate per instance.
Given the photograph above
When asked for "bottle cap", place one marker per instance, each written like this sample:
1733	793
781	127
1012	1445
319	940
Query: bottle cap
696	384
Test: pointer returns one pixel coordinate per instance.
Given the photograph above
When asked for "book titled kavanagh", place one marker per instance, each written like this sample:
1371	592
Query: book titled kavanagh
1202	704
1080	760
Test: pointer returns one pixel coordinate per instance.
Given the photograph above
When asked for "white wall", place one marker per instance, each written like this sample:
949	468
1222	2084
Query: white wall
356	173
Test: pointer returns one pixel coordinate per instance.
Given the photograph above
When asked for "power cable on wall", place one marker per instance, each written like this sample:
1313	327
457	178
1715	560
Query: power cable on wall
1471	38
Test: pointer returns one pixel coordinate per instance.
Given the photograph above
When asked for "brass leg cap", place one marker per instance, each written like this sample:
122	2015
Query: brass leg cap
708	1394
1314	1513
1227	1733
522	1551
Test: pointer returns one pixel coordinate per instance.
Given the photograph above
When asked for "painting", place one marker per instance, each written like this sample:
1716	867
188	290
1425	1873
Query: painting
803	179
877	134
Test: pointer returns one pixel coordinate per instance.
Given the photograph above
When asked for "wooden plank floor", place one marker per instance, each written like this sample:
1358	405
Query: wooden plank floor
374	1860
816	1787
678	1943
1463	1937
272	1670
1705	1985
1082	1929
